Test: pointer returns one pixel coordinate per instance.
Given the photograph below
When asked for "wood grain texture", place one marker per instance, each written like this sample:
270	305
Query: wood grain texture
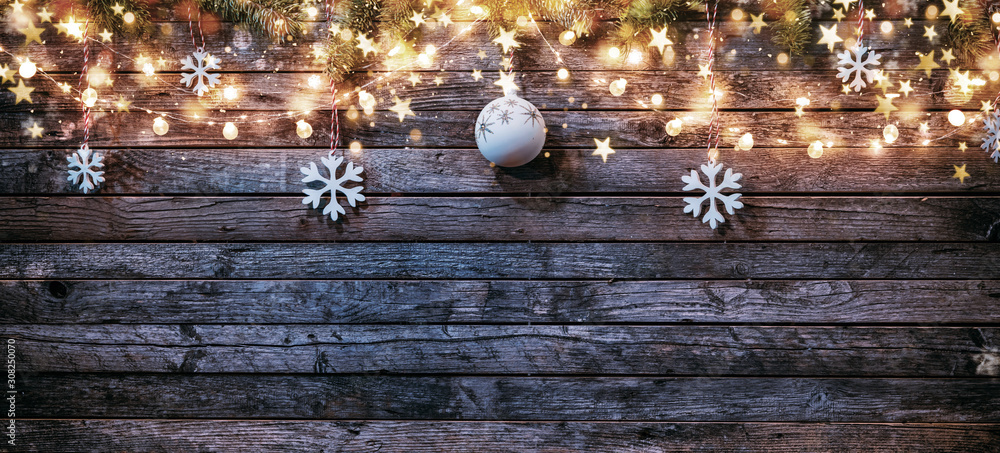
495	219
510	350
827	302
81	395
417	436
891	171
454	129
502	261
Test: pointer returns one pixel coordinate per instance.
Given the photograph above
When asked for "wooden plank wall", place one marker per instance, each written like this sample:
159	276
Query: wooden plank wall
194	304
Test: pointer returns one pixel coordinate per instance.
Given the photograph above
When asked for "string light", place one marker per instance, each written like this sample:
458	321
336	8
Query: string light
816	149
160	126
562	74
745	142
956	117
303	129
890	133
27	69
568	37
674	127
230	131
89	97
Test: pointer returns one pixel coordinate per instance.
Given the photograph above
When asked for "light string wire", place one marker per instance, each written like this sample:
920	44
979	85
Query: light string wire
714	125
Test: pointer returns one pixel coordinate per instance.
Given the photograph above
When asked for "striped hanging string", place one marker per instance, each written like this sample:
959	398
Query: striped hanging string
996	37
200	32
861	22
334	118
84	76
714	126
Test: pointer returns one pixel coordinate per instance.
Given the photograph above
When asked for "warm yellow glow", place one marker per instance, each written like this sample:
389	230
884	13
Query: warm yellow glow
737	14
424	60
746	142
614	52
816	149
617	87
956	117
522	21
229	93
160	126
129	17
562	74
355	147
430	49
89	97
890	133
303	129
886	27
148	69
230	131
315	81
657	99
802	102
635	56
674	127
782	58
312	12
931	13
477	10
567	38
367	102
27	69
995	18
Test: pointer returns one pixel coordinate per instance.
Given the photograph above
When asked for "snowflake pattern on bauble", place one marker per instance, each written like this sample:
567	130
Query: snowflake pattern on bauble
83	165
200	65
314	196
712	193
851	63
992	140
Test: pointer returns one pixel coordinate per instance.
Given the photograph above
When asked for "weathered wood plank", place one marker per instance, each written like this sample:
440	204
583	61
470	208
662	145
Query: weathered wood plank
416	436
454	129
496	219
740	49
458	90
517	350
436	302
252	171
81	395
502	261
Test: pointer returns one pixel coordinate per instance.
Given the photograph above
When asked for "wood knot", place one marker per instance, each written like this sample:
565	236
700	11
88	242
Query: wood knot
58	290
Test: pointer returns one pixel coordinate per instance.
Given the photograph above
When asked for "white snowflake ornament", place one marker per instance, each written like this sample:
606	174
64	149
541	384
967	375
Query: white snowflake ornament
82	169
992	140
200	65
851	63
351	173
712	193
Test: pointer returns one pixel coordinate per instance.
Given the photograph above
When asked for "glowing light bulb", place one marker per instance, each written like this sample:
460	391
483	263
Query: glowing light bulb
230	131
634	56
430	49
674	127
782	58
89	97
890	133
745	142
148	69
27	69
617	87
303	128
229	93
816	149
160	126
562	74
737	14
367	102
886	27
614	52
312	12
956	117
657	99
568	37
355	146
129	17
995	18
424	60
477	10
315	82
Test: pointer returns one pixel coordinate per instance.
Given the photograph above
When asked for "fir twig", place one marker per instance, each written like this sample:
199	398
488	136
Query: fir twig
793	26
273	18
971	35
637	17
343	55
103	16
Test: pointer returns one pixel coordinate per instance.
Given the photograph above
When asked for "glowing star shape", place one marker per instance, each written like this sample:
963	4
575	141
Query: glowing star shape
951	10
991	123
21	92
908	22
962	81
481	54
44	15
713	192
839	15
830	37
444	19
603	148
122	104
414	79
703	71
401	108
927	63
71	28
870	14
6	74
65	87
855	62
924	127
506	82
32	33
83	169
365	44
885	105
477	74
315	197
506	39
960	173
118	9
962	146
882	80
36	132
105	35
417	19
929	33
947	56
659	39
904	87
17	7
986	106
757	22
200	65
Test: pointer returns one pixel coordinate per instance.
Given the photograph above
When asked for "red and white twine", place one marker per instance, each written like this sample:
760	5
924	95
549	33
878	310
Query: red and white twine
714	126
334	118
200	32
861	20
84	76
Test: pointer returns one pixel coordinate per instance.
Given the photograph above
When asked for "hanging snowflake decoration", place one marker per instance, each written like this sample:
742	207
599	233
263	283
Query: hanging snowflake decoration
852	63
712	193
992	139
82	169
200	65
351	173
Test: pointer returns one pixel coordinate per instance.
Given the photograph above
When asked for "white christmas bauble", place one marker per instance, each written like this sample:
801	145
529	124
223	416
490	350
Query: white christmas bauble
510	131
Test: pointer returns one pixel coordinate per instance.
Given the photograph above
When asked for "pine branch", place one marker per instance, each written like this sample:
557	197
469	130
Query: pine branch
353	18
104	17
273	18
637	17
394	20
793	29
971	35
